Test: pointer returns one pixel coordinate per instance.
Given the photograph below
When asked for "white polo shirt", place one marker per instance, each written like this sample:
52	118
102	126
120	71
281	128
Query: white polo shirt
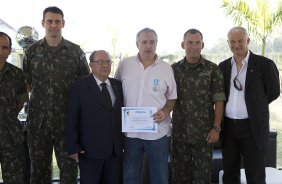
150	87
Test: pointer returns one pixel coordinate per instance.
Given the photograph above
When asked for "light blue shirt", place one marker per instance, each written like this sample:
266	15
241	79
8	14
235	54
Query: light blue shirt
236	106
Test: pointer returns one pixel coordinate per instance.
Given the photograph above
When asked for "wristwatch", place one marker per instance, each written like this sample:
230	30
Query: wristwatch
217	129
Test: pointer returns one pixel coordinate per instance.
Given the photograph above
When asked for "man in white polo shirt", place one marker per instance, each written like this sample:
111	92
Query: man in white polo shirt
147	82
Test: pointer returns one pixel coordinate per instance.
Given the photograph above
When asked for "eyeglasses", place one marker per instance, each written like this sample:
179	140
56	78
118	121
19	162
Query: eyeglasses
237	83
101	62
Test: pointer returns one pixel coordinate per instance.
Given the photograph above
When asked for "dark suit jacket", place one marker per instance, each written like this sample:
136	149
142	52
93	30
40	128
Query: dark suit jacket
90	125
261	88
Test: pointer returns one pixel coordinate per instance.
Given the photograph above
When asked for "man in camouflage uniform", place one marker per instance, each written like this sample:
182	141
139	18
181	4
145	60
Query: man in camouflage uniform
51	65
12	96
198	112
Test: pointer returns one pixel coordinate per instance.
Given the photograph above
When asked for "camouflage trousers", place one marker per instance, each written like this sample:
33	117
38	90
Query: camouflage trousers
191	163
13	164
12	155
41	142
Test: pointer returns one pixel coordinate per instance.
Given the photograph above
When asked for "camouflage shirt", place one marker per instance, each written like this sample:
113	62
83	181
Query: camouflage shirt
198	87
12	91
50	71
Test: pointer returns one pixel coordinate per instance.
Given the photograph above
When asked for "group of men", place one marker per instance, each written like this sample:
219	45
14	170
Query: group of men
78	113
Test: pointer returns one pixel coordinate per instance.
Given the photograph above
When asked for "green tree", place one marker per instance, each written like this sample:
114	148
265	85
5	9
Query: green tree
260	21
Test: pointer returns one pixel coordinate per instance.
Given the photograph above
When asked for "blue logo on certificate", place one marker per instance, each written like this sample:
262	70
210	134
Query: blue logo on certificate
138	119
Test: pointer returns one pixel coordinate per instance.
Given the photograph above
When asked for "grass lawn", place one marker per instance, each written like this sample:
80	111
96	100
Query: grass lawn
276	124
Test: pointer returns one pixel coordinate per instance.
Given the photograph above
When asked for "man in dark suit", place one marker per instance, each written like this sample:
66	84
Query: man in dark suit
94	137
251	84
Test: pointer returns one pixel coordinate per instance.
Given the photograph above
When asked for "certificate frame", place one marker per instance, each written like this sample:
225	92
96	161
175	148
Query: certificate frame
139	119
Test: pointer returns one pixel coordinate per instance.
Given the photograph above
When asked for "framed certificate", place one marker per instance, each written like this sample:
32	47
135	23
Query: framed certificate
138	119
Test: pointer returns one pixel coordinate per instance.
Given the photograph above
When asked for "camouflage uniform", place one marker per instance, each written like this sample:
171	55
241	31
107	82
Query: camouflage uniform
12	90
50	71
198	87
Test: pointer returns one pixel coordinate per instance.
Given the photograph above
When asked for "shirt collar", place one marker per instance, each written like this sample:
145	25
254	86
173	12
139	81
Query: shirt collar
99	82
157	60
64	43
6	67
245	60
202	61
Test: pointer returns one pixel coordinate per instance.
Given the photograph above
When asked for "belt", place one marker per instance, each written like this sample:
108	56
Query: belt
235	120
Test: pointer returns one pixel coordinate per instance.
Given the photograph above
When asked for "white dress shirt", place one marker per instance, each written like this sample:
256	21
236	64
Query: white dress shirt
236	106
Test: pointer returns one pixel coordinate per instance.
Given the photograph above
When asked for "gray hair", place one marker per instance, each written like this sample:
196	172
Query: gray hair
145	30
238	29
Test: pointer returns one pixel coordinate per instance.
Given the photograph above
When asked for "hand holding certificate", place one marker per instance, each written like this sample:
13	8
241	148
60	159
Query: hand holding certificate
138	119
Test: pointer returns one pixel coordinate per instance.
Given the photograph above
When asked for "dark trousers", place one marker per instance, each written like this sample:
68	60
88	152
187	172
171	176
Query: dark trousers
238	142
27	160
26	154
100	171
